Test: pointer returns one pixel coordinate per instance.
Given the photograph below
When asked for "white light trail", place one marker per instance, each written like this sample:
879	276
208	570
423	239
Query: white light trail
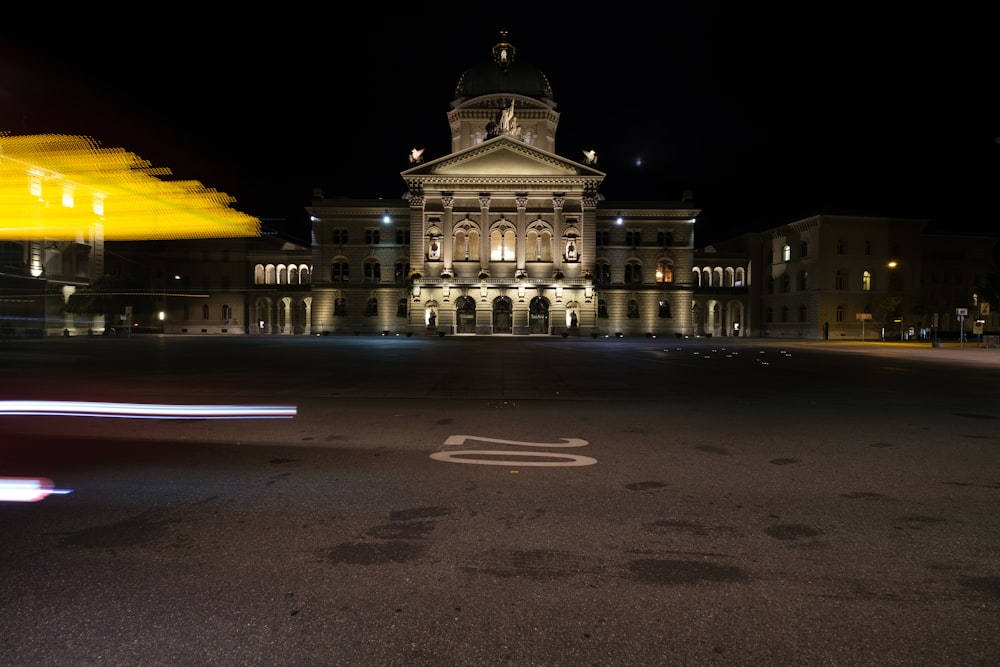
144	410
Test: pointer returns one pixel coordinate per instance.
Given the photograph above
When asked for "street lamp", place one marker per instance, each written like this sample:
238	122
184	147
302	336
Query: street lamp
895	282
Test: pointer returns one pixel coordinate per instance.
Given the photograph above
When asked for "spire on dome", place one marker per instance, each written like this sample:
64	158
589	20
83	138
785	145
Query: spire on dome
503	52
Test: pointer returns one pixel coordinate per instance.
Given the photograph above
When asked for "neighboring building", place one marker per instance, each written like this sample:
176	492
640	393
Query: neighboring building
851	277
253	285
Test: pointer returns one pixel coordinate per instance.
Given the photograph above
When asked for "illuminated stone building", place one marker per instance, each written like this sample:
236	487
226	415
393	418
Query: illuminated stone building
505	236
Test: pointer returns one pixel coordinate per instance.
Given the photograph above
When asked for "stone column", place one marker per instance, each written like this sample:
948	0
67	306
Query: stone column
557	231
522	223
447	229
484	230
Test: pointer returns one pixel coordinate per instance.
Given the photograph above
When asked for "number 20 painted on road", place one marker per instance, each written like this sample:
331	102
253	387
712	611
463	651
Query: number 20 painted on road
506	457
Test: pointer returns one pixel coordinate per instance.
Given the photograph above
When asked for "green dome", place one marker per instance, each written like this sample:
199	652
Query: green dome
503	76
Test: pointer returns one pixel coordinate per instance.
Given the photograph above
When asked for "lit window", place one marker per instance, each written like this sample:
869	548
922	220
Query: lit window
866	281
786	253
664	273
98	204
67	196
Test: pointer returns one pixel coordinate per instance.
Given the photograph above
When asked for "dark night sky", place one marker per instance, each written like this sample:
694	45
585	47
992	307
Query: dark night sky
766	116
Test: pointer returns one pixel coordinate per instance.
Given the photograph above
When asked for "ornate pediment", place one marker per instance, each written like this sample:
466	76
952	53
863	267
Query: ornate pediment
504	157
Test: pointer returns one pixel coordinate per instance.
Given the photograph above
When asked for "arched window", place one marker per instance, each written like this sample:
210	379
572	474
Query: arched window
258	274
603	273
373	271
866	281
838	279
633	273
371	308
502	244
664	272
786	253
339	272
401	271
539	243
269	274
204	312
466	243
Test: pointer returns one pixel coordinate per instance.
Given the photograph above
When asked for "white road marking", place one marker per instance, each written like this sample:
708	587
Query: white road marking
502	457
460	457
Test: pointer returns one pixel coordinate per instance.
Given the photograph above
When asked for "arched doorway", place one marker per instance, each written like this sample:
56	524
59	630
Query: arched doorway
503	315
465	315
538	316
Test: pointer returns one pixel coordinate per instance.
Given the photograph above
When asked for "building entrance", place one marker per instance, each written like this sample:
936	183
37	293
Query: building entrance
538	315
465	315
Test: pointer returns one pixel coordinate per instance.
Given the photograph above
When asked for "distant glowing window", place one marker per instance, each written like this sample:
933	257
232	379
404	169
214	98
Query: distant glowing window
98	204
664	273
786	253
67	197
866	281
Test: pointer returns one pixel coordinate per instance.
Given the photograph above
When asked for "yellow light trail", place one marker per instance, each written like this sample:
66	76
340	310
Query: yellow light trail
66	187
